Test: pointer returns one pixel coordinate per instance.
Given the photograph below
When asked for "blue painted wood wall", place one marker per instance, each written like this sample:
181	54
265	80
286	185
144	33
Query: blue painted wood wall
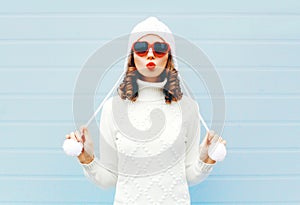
254	45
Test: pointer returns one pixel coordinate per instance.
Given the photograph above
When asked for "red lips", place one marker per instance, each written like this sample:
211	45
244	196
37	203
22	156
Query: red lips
151	65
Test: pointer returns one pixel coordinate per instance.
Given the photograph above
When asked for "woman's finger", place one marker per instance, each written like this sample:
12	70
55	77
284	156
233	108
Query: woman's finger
205	140
85	133
78	136
215	138
209	136
221	140
72	136
84	130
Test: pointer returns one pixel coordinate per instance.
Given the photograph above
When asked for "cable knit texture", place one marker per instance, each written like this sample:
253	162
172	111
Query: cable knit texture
167	187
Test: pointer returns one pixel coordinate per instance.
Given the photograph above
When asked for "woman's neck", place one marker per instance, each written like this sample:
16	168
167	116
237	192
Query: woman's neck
159	78
151	91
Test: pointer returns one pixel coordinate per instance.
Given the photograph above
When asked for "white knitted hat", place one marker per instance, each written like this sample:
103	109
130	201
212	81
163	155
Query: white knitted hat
151	25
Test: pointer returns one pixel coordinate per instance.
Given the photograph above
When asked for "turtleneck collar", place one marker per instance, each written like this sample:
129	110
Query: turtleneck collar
151	91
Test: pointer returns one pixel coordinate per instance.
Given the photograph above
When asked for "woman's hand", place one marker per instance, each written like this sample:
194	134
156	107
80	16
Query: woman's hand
87	154
210	138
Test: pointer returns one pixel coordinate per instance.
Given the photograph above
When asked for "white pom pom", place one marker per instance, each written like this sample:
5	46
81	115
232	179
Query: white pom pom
72	147
217	151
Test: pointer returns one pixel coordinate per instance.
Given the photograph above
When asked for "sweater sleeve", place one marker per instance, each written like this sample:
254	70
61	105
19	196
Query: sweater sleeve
102	171
196	170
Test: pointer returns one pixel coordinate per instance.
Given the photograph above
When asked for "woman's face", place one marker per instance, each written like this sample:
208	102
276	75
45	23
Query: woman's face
150	73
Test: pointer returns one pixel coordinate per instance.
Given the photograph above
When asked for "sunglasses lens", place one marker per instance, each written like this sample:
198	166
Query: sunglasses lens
140	47
161	48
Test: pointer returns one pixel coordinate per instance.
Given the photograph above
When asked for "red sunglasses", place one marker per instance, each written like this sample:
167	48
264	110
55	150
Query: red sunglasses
160	49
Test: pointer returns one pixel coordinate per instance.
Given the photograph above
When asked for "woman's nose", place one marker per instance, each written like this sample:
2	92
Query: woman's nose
150	54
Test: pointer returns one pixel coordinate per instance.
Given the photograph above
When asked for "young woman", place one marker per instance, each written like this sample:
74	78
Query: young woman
151	82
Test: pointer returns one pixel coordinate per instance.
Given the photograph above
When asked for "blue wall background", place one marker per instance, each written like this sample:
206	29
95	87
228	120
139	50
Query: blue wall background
254	45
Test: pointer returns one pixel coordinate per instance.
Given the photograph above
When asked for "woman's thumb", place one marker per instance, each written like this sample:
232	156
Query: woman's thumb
84	133
83	129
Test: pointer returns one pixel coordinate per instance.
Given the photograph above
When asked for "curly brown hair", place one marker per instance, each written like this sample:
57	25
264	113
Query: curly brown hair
129	87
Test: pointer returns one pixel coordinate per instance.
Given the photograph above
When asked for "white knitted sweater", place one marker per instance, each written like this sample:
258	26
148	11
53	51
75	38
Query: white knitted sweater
170	185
